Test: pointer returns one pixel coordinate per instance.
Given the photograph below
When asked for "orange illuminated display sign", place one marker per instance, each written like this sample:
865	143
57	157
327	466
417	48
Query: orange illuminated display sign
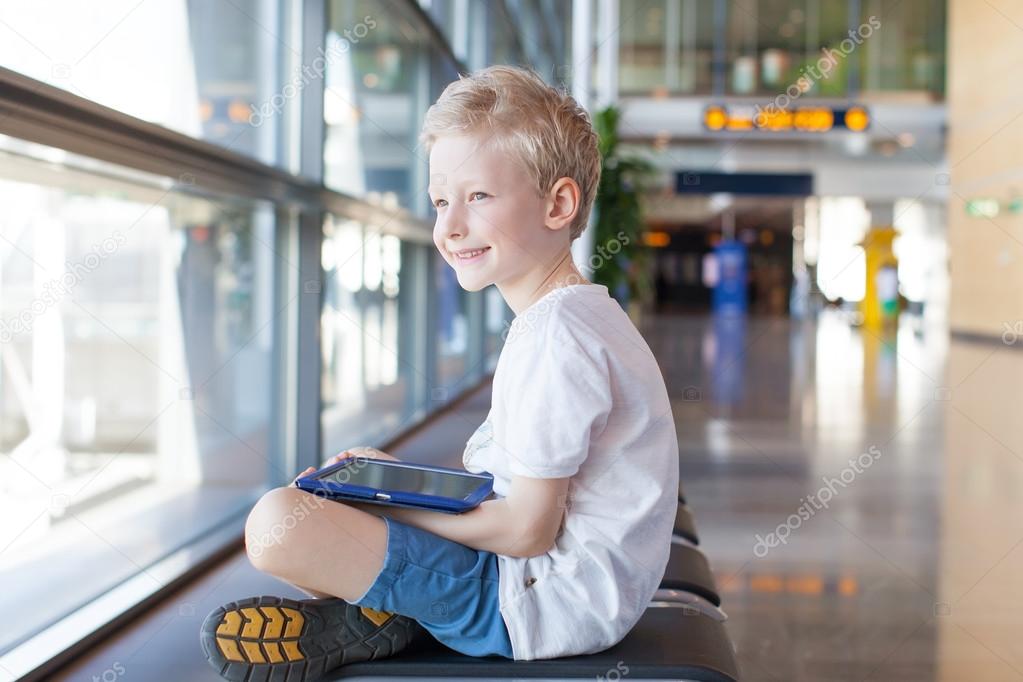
771	119
656	239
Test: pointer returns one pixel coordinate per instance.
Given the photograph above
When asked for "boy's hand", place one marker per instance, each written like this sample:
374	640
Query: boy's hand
304	473
360	451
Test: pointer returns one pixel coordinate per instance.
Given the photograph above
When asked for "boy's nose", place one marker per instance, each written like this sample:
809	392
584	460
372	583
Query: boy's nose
453	223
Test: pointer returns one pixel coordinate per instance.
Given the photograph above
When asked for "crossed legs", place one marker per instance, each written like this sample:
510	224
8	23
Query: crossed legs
325	548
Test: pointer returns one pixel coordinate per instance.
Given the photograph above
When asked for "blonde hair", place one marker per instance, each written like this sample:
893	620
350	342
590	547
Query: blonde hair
543	127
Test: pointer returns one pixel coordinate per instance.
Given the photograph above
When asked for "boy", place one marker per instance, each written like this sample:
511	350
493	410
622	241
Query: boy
580	437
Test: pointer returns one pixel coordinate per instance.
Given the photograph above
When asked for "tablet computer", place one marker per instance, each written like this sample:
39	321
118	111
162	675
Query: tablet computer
399	484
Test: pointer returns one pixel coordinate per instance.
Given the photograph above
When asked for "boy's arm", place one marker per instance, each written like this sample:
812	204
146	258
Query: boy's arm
523	524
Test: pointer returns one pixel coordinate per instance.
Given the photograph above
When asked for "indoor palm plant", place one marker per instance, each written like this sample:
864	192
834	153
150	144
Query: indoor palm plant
622	262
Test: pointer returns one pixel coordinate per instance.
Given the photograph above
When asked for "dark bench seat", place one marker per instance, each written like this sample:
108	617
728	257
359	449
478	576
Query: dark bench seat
689	571
685	527
668	643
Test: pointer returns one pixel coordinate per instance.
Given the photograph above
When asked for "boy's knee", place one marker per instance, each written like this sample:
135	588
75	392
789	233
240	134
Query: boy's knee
269	529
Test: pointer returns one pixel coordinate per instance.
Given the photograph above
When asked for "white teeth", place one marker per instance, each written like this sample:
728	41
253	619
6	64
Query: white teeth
470	254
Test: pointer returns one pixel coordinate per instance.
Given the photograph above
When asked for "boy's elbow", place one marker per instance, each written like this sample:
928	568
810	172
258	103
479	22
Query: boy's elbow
532	540
524	550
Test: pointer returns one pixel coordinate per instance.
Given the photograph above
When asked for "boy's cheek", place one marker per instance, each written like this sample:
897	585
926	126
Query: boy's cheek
443	253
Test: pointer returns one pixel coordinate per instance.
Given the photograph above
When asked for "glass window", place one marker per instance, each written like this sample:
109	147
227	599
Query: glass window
136	362
641	66
451	20
372	354
775	27
690	66
377	92
211	70
775	44
907	53
505	45
497	320
800	42
452	329
666	48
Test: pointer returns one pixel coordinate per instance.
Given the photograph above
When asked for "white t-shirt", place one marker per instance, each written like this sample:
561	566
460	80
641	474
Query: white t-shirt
578	393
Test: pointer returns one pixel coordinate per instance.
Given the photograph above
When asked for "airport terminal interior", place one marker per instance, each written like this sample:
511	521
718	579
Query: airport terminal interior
217	268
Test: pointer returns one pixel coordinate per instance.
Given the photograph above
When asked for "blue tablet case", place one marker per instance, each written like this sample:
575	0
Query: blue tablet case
395	498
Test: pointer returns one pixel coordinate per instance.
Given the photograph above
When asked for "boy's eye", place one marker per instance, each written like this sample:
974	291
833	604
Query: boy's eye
475	193
438	203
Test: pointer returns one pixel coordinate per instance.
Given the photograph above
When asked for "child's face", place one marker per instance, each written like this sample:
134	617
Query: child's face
484	200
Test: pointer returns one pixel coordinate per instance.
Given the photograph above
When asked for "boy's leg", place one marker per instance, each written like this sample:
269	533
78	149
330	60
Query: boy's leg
390	567
452	590
318	544
325	548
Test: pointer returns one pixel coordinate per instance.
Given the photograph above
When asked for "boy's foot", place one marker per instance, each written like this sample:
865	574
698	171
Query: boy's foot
273	638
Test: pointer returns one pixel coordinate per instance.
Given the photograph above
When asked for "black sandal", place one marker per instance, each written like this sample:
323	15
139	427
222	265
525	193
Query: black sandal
273	638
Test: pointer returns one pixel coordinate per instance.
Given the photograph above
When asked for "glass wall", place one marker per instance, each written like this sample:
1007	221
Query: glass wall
378	89
136	364
669	47
535	33
773	44
374	362
496	324
453	329
180	323
907	53
210	70
378	374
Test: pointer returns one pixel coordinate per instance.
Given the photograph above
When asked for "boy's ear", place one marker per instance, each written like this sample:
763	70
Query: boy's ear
562	203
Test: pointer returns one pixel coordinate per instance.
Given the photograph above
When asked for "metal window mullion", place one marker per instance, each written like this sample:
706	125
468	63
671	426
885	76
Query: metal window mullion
422	99
428	304
853	22
307	346
720	63
435	36
37	112
811	48
477	319
460	29
608	18
688	51
313	124
672	39
480	48
284	402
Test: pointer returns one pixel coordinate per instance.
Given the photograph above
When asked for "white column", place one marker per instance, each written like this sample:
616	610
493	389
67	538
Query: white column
582	67
607	53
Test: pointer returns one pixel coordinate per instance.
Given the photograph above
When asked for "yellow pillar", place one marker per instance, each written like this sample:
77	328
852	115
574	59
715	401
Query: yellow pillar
880	305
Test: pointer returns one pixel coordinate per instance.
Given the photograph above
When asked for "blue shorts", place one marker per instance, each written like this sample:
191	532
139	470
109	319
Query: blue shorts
451	589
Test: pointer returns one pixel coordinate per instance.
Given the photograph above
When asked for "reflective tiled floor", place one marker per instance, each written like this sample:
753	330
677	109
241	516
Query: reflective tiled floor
906	563
859	495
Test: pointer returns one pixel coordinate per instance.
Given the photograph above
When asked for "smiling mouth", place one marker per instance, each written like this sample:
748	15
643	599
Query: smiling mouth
470	256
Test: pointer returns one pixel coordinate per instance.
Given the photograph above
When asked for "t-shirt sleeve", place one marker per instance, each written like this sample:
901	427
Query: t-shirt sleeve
559	398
